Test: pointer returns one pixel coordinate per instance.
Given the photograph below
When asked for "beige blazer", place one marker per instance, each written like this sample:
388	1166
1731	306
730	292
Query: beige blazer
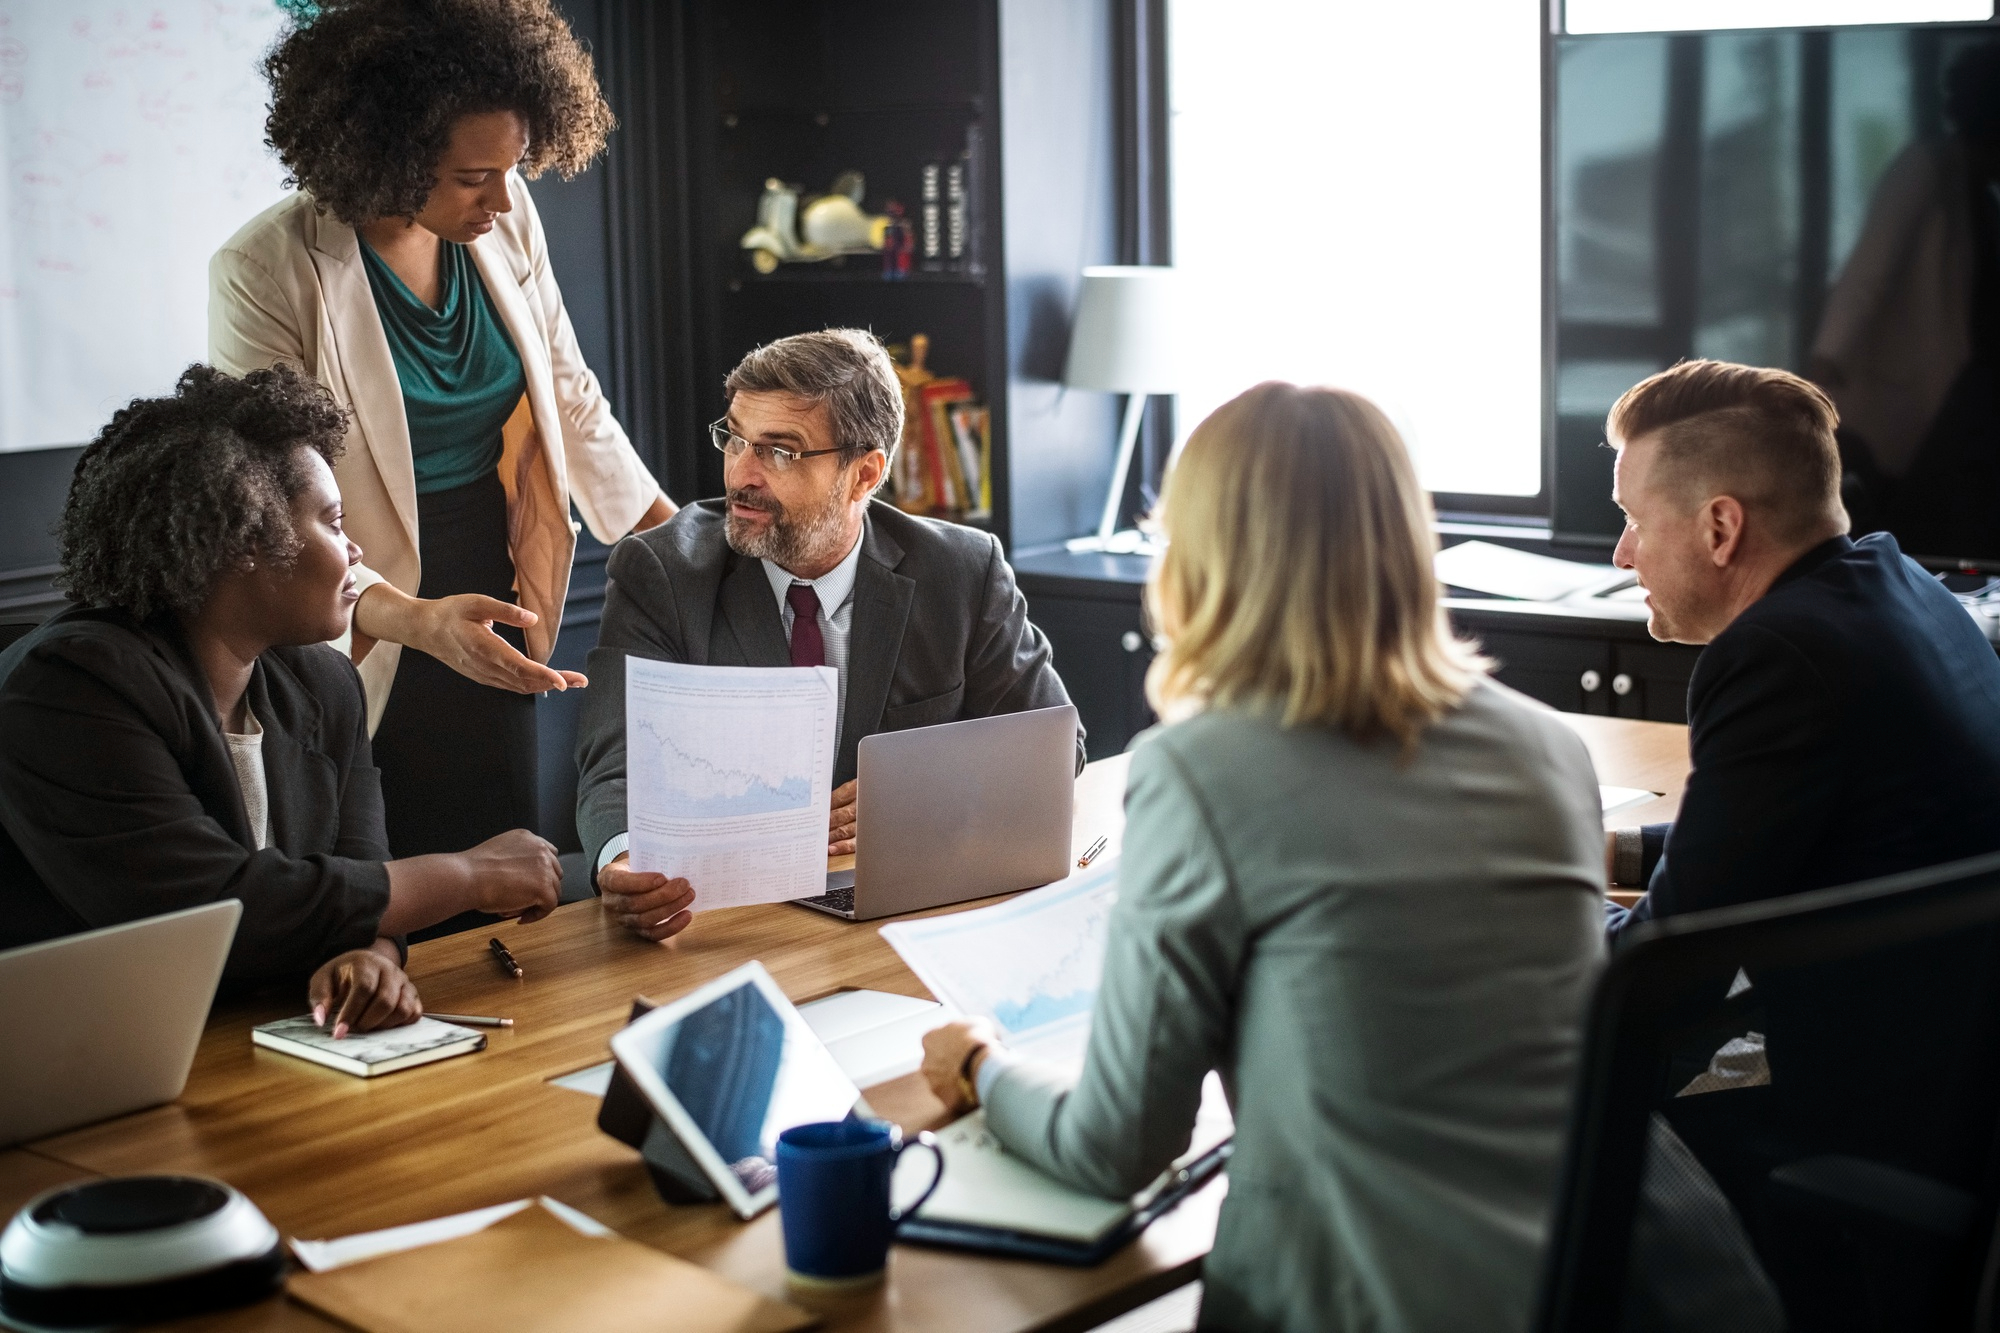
290	287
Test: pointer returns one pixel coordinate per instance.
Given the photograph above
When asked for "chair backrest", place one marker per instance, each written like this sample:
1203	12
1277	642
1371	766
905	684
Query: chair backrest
1664	976
12	631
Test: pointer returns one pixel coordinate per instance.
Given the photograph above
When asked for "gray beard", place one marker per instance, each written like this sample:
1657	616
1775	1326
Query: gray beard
791	542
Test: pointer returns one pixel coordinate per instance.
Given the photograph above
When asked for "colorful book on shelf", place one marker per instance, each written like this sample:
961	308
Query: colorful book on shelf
946	471
971	432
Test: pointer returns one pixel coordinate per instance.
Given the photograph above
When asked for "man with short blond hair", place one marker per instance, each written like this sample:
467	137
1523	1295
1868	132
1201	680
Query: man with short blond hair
1844	723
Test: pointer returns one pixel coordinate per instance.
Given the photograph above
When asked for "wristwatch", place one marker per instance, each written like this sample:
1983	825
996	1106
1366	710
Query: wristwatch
967	1089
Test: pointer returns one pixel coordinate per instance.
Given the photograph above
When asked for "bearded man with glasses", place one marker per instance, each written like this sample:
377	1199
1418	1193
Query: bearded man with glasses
799	565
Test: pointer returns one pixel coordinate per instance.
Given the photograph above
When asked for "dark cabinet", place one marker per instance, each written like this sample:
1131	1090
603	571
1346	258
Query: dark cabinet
1603	665
1597	661
1090	607
1101	652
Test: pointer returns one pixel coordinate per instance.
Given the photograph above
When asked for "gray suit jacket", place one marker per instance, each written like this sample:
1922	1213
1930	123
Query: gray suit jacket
940	633
1387	957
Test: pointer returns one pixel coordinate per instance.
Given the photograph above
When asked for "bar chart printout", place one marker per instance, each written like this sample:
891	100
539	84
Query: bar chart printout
729	777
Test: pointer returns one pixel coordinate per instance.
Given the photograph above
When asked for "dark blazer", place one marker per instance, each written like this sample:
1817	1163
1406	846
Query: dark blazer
1845	726
939	633
118	799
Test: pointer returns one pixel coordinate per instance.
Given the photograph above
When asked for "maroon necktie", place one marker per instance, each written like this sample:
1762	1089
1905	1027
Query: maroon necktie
808	648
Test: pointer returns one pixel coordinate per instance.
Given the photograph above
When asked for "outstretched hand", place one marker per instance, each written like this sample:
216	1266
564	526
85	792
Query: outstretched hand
458	631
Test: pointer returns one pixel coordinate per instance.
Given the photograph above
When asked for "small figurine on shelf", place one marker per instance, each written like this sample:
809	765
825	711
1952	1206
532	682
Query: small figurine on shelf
896	244
833	225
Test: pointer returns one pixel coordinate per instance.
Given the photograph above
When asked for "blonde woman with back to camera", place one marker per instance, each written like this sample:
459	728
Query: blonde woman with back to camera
1361	880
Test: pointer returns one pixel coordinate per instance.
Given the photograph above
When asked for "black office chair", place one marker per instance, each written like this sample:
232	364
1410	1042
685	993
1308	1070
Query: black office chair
13	630
1892	1249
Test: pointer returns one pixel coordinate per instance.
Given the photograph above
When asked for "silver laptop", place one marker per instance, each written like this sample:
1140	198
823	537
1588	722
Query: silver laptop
959	811
106	1022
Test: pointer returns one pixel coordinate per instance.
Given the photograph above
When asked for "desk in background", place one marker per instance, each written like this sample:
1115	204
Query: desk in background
327	1155
1580	659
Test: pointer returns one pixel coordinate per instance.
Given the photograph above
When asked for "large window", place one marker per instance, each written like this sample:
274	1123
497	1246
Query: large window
1357	201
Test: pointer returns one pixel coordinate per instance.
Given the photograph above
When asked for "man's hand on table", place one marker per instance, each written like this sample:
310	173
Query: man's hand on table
647	902
840	824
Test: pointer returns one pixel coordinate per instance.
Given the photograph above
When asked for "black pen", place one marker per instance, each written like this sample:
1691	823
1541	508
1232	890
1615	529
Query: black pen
506	959
1090	853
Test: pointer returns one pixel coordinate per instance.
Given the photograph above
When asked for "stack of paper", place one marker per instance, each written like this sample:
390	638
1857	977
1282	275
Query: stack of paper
1502	571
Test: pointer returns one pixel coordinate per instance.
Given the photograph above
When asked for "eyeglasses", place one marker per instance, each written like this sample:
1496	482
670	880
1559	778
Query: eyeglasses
772	456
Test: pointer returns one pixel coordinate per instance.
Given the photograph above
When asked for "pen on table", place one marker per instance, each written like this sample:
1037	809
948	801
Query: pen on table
506	959
1090	853
471	1020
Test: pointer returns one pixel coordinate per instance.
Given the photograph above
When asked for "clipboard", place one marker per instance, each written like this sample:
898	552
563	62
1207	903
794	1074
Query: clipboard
1054	1250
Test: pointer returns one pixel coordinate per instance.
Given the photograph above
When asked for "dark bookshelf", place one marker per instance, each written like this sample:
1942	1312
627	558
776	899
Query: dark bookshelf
801	91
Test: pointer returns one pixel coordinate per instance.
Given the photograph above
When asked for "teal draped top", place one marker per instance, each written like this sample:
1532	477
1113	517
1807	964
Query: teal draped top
460	372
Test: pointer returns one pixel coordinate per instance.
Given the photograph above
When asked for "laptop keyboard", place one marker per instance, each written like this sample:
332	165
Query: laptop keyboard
840	900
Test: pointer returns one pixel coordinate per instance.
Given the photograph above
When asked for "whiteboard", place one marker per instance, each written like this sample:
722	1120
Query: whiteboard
131	148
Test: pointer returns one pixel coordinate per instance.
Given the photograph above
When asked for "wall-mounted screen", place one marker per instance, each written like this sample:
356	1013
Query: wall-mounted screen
1827	201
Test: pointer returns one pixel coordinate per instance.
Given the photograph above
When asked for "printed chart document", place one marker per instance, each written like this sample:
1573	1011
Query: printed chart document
729	777
1032	964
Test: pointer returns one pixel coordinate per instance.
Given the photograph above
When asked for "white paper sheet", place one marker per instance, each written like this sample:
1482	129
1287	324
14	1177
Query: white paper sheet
323	1255
1614	799
1506	572
730	777
1032	964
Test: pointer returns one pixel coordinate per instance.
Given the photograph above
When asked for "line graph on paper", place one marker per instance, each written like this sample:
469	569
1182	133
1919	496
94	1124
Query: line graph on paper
706	766
1032	965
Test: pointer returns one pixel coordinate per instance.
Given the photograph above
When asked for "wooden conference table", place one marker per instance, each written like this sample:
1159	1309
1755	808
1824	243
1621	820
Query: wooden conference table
327	1155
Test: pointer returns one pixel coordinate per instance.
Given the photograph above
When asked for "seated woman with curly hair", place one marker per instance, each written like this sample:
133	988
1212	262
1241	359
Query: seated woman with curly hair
182	734
410	275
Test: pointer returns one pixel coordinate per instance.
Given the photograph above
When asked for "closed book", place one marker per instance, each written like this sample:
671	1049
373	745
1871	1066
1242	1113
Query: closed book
367	1054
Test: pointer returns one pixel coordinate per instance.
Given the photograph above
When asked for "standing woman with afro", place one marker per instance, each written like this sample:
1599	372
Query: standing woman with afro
409	274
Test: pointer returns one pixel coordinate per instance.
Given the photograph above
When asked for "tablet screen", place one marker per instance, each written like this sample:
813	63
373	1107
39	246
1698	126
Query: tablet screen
745	1072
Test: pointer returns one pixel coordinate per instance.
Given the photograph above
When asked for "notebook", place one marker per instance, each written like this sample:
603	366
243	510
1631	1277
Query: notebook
532	1272
366	1054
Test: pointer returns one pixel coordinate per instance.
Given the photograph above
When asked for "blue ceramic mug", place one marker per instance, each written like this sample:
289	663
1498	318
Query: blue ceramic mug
833	1197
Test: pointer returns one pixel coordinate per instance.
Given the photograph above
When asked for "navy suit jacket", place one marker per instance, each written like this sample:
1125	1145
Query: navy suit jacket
1846	726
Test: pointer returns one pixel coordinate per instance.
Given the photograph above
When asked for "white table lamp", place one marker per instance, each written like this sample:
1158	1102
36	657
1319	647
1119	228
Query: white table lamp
1125	340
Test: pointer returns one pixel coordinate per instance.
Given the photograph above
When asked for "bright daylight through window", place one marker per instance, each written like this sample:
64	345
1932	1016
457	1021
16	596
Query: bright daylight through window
1357	202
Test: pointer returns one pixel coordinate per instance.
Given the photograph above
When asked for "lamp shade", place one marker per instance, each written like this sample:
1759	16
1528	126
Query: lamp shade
1126	335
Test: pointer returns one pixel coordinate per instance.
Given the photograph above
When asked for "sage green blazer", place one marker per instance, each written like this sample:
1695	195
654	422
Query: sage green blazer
1387	956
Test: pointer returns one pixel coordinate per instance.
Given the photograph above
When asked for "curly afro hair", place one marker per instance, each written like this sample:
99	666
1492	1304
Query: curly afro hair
177	490
364	96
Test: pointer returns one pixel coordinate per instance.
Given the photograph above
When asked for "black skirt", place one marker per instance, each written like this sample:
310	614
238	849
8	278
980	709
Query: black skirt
457	758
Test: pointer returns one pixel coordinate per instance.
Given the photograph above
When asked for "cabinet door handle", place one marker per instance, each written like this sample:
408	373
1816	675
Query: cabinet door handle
1132	641
1591	682
1621	684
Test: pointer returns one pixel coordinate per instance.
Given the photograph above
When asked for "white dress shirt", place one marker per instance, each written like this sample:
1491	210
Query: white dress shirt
835	590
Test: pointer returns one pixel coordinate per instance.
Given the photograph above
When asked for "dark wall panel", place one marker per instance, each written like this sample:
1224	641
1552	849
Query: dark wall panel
1057	145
